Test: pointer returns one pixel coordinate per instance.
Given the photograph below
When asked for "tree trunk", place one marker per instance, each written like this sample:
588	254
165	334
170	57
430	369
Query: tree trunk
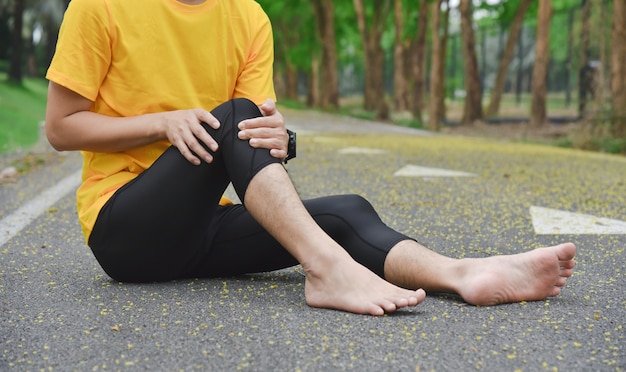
445	20
583	72
519	75
400	83
418	53
618	68
437	64
15	67
472	110
313	93
374	95
507	56
325	20
291	82
568	62
538	112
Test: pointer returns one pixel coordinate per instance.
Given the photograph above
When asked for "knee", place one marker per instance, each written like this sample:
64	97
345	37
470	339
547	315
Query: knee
352	205
231	112
343	216
245	105
360	205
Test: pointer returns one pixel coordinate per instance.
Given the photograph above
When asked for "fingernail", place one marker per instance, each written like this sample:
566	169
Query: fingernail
241	134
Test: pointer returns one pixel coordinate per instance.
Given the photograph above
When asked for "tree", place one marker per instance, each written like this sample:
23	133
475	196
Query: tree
538	112
618	69
324	17
417	59
50	17
472	110
400	84
371	35
15	67
295	52
507	56
583	76
437	93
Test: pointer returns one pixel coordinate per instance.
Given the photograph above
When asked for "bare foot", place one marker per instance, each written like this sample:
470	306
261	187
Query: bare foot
344	284
528	276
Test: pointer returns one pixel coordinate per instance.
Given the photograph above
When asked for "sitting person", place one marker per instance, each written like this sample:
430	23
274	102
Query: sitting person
130	85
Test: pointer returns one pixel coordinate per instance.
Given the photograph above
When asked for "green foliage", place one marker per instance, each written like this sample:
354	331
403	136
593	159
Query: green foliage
22	108
291	104
348	38
611	145
294	31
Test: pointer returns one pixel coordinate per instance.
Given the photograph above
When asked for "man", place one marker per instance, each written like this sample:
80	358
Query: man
130	84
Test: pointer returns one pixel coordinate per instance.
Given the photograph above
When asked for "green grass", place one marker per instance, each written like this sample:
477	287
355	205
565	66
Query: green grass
22	108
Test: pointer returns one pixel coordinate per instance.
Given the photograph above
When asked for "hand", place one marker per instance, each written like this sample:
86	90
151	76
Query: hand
183	130
267	132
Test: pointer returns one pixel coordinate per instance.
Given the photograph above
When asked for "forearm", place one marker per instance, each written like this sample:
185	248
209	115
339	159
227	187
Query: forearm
90	131
70	125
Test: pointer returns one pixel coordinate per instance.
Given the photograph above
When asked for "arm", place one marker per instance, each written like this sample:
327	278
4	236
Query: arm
70	125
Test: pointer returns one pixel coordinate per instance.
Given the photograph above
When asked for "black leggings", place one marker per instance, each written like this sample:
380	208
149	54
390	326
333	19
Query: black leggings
166	224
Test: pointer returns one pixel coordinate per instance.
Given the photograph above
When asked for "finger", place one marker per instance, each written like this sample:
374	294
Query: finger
196	147
271	143
266	143
208	118
273	121
180	144
263	132
278	154
268	107
253	123
203	136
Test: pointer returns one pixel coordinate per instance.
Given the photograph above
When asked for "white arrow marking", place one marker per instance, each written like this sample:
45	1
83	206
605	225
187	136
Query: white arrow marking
548	221
417	171
361	150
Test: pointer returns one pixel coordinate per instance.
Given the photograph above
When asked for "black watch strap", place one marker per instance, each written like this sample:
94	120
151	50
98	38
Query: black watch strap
291	147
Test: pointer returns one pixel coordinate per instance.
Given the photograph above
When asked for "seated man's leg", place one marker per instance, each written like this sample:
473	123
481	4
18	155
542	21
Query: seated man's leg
355	225
154	227
333	278
529	276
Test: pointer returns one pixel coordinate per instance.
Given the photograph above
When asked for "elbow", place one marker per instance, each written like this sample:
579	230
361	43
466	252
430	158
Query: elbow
54	138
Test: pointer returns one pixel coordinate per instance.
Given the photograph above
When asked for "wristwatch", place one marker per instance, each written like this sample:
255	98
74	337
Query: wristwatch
291	147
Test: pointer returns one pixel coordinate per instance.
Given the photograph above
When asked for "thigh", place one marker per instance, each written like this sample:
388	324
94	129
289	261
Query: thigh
154	227
150	229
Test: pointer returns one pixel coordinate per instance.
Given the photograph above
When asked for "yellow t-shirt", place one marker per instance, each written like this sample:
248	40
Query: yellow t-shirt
132	57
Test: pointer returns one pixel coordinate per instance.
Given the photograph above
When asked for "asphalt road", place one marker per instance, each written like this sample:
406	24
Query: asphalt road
60	312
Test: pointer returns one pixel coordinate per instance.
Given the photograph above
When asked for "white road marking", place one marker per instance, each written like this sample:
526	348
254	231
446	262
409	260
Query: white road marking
418	171
16	221
361	150
548	221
